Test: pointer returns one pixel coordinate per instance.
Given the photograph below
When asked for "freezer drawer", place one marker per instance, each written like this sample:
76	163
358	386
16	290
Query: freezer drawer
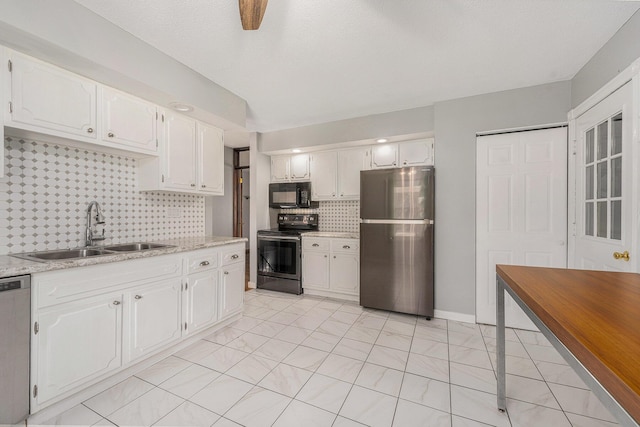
396	267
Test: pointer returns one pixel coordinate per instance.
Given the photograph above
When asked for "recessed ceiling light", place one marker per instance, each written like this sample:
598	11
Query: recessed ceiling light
381	140
296	150
178	106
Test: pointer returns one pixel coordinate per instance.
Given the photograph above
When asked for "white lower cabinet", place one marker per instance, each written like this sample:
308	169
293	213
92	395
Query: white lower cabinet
155	317
91	322
75	343
331	267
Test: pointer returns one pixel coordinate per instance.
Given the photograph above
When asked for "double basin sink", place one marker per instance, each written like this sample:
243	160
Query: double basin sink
80	253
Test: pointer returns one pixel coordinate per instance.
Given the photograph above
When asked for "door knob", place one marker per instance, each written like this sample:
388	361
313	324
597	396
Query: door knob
623	256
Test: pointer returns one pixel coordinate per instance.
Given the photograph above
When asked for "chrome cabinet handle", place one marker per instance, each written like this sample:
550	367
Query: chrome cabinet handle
90	130
116	302
110	135
204	263
226	272
346	247
138	297
235	256
203	186
315	245
193	185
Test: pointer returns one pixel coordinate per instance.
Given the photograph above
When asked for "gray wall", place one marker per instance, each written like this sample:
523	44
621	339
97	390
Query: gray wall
67	34
219	209
456	124
616	55
403	122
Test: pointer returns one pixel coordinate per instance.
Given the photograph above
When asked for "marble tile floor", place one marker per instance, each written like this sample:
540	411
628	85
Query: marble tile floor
309	361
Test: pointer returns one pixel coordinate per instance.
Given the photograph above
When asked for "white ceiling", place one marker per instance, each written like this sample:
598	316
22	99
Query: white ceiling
314	61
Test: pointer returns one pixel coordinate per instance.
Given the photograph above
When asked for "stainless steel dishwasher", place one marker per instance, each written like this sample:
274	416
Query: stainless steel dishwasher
15	321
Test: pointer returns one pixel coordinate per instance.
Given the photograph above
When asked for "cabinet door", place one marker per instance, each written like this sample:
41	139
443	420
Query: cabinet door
200	300
155	317
231	290
128	121
180	153
76	343
384	156
315	270
51	98
350	163
324	175
210	160
279	168
419	152
299	167
345	273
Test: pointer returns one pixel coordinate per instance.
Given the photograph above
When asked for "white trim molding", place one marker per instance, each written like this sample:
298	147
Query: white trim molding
452	315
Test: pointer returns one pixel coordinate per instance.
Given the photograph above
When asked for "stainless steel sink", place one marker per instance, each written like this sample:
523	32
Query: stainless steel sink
63	254
135	247
80	253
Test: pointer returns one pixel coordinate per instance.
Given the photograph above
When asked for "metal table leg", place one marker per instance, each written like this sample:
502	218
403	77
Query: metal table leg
500	341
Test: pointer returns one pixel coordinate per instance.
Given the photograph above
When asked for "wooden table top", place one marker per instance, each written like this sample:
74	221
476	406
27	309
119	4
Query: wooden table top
595	314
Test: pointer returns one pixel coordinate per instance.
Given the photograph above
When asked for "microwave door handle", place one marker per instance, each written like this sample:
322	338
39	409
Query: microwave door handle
298	195
287	207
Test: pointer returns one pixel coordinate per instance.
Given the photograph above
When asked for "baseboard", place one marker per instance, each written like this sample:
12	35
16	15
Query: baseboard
251	285
452	315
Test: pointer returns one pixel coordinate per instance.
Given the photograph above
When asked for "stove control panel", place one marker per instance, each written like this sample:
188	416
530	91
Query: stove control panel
294	221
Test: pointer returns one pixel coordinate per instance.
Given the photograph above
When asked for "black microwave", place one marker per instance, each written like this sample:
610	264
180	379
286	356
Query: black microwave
290	195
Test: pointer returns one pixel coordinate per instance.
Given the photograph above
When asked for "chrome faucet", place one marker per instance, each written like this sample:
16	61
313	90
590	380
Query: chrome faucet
99	219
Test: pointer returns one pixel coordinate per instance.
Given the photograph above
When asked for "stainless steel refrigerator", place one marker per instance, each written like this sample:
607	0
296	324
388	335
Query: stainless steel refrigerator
396	239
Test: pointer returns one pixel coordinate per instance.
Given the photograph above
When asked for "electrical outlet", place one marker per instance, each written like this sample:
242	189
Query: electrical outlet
173	212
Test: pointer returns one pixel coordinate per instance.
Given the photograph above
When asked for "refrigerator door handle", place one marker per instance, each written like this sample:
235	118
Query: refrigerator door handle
398	221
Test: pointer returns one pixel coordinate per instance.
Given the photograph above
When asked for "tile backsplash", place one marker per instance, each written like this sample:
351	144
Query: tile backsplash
335	216
47	188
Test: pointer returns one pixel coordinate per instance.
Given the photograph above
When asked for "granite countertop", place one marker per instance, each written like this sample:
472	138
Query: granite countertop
10	266
335	234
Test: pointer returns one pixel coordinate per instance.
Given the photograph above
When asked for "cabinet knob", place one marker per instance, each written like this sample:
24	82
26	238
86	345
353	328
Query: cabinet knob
204	263
226	272
394	163
333	194
334	257
346	247
315	245
90	130
138	297
325	256
405	162
341	194
235	256
110	135
116	302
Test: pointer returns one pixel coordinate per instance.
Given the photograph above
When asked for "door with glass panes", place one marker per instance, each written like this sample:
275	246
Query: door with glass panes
603	234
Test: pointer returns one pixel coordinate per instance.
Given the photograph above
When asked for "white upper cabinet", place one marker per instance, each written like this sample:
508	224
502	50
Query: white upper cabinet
67	108
384	156
128	121
350	163
179	153
405	153
324	177
290	168
191	159
210	151
335	175
418	152
47	98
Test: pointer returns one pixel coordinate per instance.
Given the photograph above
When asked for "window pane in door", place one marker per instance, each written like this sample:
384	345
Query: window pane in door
588	219
602	180
603	139
589	146
616	219
616	177
588	183
616	134
602	219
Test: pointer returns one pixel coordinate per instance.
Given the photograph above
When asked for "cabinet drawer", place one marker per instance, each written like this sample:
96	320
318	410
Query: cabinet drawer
351	246
233	255
315	244
202	260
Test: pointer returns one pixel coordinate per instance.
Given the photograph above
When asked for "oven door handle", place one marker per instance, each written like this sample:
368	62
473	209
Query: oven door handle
274	238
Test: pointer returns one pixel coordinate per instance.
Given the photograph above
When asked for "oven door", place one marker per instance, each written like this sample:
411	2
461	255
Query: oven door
279	256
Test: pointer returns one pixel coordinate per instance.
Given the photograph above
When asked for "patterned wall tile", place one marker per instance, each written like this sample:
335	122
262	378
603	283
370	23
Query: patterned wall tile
47	188
335	216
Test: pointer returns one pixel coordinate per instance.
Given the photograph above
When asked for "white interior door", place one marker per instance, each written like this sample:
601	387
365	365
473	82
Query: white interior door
603	193
521	211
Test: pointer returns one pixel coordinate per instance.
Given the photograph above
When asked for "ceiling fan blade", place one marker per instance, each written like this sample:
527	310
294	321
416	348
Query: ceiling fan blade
251	13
